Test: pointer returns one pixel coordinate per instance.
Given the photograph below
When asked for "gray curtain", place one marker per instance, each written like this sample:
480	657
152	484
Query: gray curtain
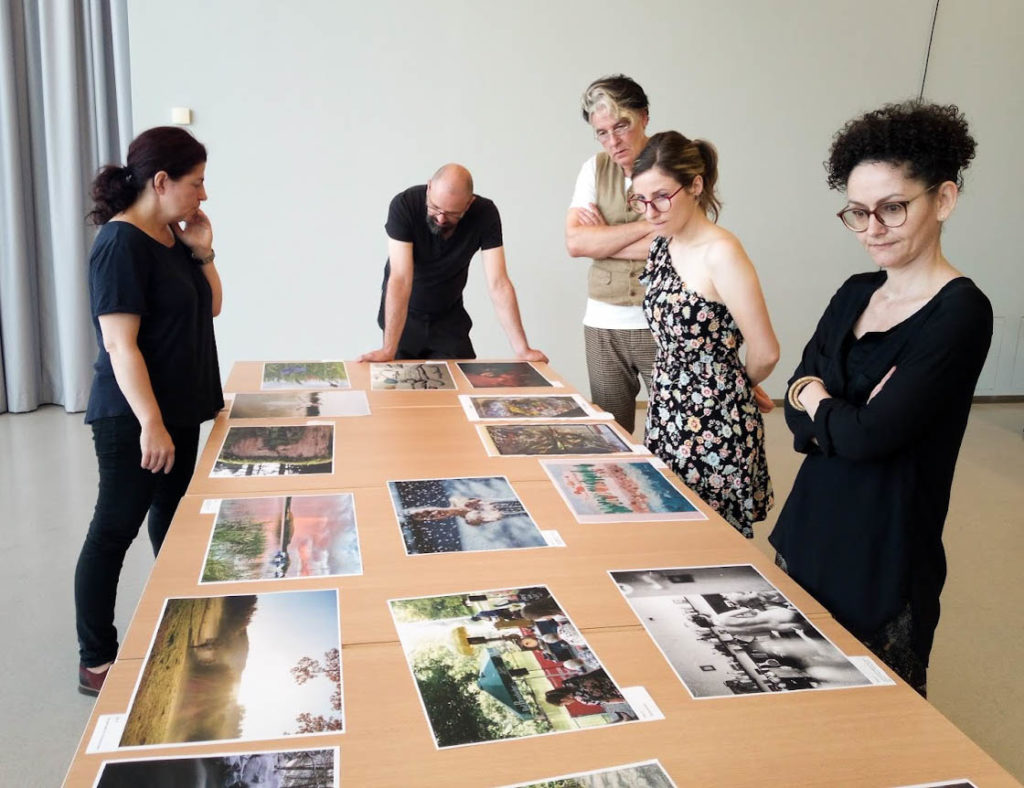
65	110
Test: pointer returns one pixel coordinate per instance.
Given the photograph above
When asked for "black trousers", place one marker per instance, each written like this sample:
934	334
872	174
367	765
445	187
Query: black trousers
126	493
436	336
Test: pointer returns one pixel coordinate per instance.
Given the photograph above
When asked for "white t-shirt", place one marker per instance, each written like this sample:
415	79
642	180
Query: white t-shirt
599	314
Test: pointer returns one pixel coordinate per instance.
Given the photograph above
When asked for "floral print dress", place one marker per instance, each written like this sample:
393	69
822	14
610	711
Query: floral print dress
702	418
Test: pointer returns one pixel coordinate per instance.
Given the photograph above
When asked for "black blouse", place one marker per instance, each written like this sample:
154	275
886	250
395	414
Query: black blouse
862	528
129	272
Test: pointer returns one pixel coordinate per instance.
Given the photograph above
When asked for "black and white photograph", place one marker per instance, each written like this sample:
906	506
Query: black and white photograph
280	769
727	631
648	774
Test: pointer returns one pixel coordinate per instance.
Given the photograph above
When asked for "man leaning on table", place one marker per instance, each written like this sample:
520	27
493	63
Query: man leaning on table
434	230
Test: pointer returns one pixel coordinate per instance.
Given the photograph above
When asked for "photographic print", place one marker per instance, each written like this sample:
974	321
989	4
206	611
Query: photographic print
305	375
727	631
298	404
240	668
618	491
462	515
280	769
537	407
648	774
526	440
276	451
502	375
283	537
425	376
503	664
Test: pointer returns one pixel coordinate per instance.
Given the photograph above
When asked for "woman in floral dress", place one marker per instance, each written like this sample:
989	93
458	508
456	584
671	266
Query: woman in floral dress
703	300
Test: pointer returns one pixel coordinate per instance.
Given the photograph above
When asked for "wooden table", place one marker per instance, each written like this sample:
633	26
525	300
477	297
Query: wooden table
875	736
577	574
391	444
247	376
870	736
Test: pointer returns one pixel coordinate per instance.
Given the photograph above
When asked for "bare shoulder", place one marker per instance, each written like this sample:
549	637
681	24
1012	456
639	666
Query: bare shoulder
724	252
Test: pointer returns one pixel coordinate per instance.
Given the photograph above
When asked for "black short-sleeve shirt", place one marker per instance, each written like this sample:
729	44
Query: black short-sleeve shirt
130	272
440	265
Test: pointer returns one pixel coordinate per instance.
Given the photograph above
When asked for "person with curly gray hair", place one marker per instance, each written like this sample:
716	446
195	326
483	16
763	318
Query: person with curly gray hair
880	399
600	226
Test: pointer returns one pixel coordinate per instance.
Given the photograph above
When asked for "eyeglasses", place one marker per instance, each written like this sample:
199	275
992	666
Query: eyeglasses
619	130
889	214
660	202
433	210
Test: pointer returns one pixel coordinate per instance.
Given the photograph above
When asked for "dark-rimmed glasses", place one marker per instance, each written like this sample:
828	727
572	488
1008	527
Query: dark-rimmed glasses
660	203
433	210
889	214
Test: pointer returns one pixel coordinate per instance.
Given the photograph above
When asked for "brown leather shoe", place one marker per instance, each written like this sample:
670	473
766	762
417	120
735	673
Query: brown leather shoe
90	683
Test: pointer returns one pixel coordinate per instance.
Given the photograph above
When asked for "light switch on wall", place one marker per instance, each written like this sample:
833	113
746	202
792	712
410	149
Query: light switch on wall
181	116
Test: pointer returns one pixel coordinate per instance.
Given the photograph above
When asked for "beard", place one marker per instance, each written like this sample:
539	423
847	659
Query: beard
433	226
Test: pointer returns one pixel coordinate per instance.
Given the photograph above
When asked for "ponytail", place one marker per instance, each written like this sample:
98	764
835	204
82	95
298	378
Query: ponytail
114	190
708	199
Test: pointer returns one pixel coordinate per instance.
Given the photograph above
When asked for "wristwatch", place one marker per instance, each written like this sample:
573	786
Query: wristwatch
204	260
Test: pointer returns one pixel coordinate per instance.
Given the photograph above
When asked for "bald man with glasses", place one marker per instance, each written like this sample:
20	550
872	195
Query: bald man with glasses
434	231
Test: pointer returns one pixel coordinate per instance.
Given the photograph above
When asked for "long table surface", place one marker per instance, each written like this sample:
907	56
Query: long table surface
871	736
247	376
390	444
577	574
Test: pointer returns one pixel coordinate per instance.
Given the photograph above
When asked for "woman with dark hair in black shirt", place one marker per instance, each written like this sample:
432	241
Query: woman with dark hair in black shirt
154	292
879	402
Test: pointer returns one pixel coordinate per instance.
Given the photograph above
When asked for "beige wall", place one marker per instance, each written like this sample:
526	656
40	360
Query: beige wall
316	113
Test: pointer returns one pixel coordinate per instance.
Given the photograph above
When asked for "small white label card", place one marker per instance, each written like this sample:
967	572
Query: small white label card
106	736
553	538
210	506
871	670
643	704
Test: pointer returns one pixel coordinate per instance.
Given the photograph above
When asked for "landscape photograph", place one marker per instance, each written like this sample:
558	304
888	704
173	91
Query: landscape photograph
276	451
282	769
524	440
283	537
305	375
240	668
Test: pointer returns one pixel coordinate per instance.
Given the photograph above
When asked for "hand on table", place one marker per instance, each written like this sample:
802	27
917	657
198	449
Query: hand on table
380	354
530	354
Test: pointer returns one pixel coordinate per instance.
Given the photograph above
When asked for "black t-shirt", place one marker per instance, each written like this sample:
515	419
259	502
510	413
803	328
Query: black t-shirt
130	272
440	265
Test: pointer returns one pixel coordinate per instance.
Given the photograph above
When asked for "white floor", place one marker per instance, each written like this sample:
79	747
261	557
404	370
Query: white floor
47	488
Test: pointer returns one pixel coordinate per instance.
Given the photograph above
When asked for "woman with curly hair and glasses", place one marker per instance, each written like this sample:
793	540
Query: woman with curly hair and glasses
880	399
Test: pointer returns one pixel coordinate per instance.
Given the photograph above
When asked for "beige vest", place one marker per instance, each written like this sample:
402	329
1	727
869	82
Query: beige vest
614	281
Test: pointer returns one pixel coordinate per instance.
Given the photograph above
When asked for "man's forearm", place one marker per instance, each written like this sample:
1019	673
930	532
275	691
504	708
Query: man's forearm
396	309
503	296
626	241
